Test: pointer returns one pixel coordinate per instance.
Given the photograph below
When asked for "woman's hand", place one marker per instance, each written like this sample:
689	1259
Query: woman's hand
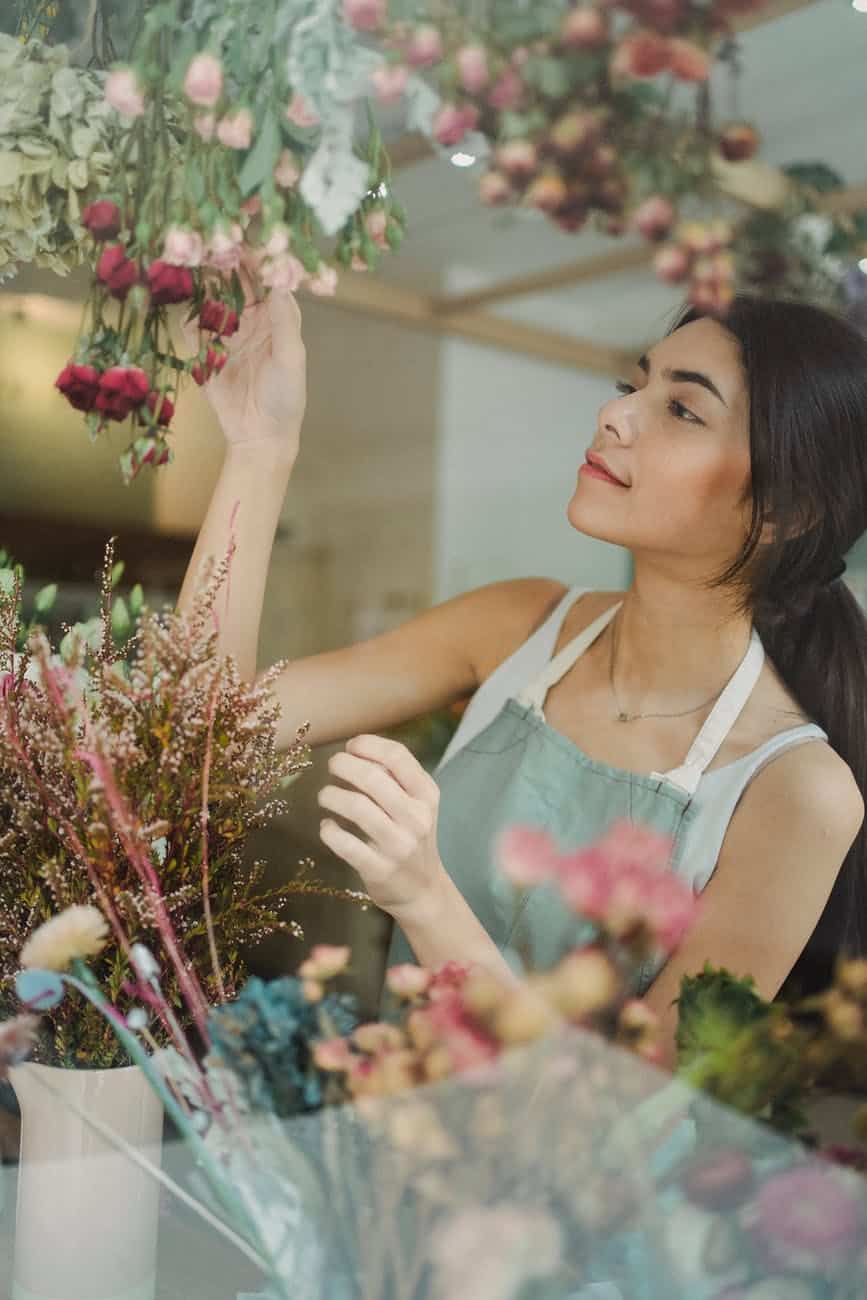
394	803
260	394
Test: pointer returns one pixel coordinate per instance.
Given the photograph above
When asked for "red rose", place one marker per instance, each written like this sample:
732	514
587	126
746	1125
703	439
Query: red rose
212	365
169	283
102	219
166	407
121	390
218	317
79	385
116	271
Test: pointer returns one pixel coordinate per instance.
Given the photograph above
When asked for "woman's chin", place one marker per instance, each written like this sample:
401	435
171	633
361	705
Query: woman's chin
588	518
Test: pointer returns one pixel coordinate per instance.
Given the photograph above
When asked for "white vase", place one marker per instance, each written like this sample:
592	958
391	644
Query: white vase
86	1219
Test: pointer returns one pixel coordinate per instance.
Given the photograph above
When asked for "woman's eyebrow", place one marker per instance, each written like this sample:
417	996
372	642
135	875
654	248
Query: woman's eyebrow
684	377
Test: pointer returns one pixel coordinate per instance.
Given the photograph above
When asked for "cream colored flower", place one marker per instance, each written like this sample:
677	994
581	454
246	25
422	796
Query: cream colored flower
81	931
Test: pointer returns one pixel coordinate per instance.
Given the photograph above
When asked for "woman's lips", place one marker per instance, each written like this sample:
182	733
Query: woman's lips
596	471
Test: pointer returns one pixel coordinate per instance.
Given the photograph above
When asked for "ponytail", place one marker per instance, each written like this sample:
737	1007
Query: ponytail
806	379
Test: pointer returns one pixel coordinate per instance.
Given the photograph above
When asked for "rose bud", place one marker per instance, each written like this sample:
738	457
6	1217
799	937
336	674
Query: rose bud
507	91
212	365
519	160
573	133
654	217
218	317
79	384
162	413
121	390
572	216
719	1180
365	15
123	92
203	82
452	123
102	219
584	28
688	61
424	47
547	192
601	162
235	130
494	188
672	264
117	271
389	82
738	142
473	70
169	284
644	54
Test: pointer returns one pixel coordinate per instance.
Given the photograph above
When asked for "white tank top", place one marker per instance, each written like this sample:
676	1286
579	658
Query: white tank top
528	673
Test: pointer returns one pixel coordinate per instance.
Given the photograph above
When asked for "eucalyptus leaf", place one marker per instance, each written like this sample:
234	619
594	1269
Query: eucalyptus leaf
262	158
335	180
39	990
45	598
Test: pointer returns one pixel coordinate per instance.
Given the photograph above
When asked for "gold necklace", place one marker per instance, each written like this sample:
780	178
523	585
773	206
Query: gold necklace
622	716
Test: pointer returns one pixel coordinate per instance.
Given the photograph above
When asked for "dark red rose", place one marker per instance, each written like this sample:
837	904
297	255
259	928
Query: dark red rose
166	407
117	271
102	219
121	390
218	317
79	385
169	283
212	365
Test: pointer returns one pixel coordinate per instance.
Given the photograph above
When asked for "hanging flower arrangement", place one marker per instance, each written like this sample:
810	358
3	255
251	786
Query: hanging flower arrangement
598	112
239	154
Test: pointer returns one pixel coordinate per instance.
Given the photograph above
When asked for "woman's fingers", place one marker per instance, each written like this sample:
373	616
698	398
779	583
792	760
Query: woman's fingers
379	785
355	807
350	849
396	759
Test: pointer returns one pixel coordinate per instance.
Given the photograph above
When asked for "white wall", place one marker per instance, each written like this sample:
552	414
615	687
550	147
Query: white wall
512	434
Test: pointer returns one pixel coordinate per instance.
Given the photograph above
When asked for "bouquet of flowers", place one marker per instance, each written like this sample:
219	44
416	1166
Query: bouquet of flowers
132	777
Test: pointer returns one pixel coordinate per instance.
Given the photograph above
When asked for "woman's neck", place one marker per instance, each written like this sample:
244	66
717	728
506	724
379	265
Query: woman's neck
676	642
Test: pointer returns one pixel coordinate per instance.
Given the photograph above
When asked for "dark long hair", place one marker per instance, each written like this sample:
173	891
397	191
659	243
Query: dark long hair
806	376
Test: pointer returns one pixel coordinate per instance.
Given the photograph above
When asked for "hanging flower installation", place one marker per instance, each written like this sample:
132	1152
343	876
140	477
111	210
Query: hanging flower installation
238	157
599	111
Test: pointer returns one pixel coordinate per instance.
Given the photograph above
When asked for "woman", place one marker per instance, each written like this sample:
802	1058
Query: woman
719	700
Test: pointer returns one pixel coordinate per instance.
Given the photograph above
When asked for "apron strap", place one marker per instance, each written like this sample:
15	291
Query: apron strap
533	696
724	715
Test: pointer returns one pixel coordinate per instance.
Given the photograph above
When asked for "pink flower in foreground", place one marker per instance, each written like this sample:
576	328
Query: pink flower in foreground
287	172
333	1054
365	15
123	92
492	1252
301	113
626	842
507	91
407	981
808	1217
223	252
324	283
474	72
183	247
452	122
449	978
527	855
325	961
235	130
203	83
468	1044
389	82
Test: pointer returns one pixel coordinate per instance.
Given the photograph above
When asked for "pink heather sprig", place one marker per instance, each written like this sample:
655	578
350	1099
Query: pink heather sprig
620	882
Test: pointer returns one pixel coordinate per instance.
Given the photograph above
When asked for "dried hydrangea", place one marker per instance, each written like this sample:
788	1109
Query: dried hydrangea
57	140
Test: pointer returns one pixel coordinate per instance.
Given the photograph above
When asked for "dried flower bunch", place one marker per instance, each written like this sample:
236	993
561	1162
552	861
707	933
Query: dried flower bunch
131	784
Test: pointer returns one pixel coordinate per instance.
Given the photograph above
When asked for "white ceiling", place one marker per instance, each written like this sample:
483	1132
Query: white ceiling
804	85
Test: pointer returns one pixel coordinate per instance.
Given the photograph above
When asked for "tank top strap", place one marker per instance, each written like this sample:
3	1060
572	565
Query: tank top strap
533	695
722	718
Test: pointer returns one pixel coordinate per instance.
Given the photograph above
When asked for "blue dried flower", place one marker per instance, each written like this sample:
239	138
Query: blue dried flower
266	1036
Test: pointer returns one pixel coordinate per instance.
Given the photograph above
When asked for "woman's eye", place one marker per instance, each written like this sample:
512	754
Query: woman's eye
623	387
682	412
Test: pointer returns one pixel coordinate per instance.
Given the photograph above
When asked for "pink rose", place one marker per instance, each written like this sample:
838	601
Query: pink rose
473	71
123	93
452	123
300	113
183	247
654	217
407	981
389	82
284	273
425	46
365	15
203	84
325	961
688	61
235	130
204	125
223	252
278	241
324	283
287	172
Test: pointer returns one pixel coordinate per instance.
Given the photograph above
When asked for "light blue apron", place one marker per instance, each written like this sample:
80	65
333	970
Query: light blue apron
519	770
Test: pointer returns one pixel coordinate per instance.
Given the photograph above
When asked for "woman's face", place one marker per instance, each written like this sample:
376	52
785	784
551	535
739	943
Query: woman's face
678	438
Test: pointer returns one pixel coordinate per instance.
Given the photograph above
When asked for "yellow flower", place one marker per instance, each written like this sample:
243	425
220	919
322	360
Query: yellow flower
79	932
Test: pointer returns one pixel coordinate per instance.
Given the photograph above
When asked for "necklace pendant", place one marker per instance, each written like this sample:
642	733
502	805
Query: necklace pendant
624	717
